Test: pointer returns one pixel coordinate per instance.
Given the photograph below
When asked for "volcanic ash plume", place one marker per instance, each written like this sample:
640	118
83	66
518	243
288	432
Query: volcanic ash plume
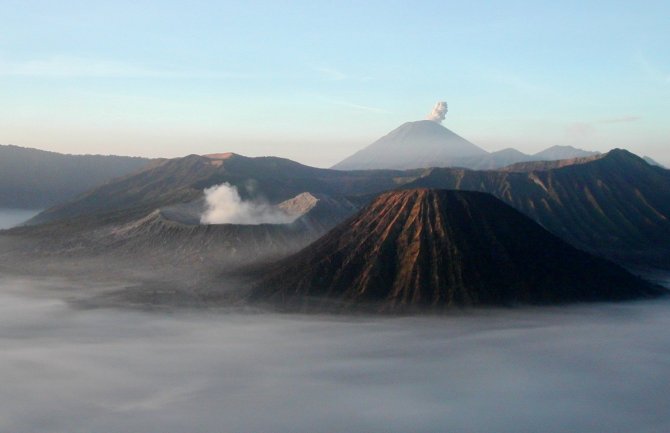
224	206
439	112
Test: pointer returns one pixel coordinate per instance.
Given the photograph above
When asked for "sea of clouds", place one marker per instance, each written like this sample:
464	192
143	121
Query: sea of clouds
593	368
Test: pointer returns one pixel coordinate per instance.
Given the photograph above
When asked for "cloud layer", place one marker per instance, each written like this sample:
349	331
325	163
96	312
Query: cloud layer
587	369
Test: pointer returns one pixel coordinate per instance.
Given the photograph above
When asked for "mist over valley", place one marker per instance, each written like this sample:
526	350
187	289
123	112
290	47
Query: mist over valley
68	369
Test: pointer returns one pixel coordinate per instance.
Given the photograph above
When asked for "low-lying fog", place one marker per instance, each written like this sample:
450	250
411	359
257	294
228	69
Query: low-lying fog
596	368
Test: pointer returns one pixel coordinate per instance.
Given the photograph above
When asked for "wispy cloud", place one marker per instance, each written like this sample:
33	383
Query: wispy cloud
622	119
81	67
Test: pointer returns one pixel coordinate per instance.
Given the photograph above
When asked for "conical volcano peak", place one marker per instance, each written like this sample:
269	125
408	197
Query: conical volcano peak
418	144
427	247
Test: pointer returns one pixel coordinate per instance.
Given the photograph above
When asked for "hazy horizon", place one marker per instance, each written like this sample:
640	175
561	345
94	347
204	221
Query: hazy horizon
317	82
665	163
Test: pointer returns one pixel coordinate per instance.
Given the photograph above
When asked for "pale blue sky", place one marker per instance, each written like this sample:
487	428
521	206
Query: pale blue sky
315	81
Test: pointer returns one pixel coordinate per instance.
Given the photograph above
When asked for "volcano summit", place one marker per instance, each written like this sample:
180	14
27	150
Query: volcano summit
424	143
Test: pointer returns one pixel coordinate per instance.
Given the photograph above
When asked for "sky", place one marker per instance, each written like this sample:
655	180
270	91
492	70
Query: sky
315	81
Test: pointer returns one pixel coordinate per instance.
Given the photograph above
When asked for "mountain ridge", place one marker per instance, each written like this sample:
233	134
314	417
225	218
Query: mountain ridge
32	178
616	204
425	144
430	248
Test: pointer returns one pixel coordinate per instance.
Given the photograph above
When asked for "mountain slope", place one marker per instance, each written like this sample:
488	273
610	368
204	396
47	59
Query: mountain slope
32	179
445	248
425	144
183	180
616	205
170	241
412	145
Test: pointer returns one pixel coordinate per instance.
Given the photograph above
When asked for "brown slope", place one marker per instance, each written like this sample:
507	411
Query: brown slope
444	248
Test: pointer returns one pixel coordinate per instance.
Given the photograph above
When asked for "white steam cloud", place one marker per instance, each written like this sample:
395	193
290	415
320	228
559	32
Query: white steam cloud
223	205
439	112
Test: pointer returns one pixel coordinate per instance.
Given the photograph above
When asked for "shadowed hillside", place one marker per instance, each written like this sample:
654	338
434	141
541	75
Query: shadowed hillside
184	179
34	179
444	248
616	205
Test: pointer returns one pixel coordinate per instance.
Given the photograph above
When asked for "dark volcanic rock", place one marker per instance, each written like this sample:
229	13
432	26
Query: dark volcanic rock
444	248
616	205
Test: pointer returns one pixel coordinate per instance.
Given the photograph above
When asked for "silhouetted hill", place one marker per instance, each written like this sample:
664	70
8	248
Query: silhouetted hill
444	248
616	205
548	165
34	179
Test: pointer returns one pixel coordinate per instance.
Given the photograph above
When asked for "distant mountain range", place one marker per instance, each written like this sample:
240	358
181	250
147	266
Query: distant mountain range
615	205
182	180
36	179
425	143
432	248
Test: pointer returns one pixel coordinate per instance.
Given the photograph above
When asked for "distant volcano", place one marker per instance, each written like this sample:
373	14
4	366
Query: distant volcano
444	248
423	143
426	143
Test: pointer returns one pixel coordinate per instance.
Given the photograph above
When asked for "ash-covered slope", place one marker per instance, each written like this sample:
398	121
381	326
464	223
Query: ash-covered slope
173	238
163	241
319	212
444	248
34	179
423	143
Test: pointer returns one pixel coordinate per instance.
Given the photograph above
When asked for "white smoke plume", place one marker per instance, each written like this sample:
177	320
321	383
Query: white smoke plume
223	205
439	112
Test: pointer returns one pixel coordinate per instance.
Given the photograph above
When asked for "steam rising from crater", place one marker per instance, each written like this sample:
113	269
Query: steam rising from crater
439	112
223	205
